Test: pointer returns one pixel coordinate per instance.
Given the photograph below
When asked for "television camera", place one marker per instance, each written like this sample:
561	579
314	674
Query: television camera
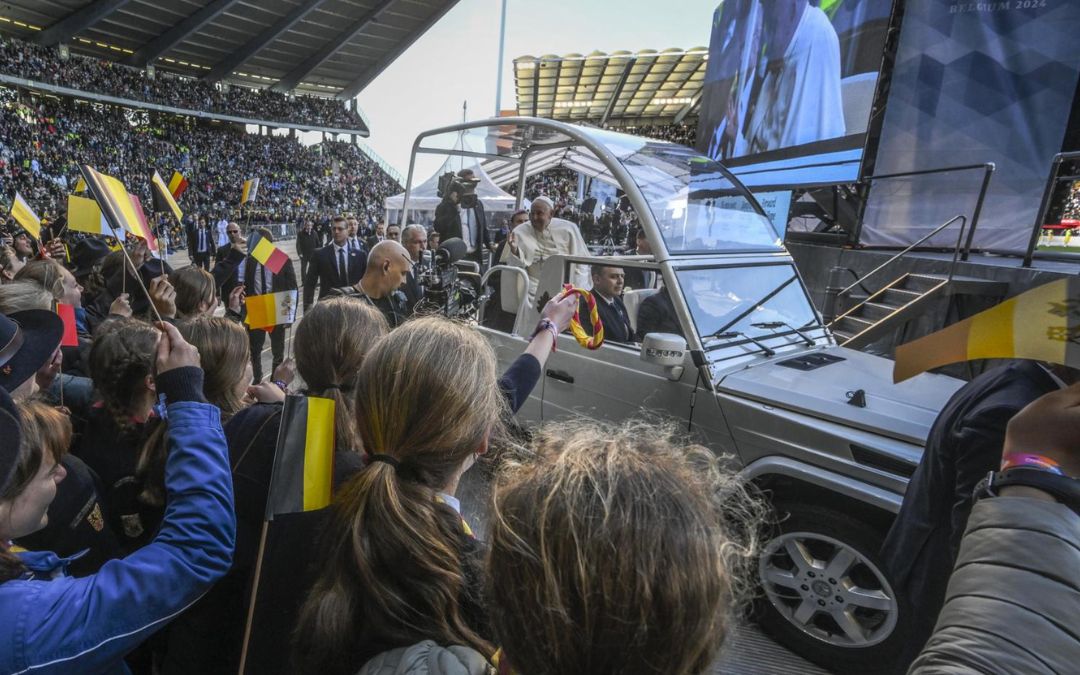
448	290
463	183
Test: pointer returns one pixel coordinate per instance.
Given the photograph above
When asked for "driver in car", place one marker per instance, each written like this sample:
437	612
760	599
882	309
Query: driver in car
657	315
607	288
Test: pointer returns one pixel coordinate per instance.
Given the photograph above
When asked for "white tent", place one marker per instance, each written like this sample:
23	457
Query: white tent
424	198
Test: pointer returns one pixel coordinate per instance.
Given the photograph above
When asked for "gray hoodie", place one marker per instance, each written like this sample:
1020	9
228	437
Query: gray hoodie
428	658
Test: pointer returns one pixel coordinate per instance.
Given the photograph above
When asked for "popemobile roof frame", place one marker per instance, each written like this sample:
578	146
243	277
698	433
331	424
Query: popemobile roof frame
657	177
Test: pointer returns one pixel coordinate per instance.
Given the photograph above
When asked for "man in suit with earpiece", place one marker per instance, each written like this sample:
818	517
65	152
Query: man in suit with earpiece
339	263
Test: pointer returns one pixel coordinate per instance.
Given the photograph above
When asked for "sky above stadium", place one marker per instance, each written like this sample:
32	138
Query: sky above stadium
456	61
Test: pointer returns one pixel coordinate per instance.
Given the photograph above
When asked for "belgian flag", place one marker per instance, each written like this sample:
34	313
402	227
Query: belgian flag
303	464
300	488
164	201
177	184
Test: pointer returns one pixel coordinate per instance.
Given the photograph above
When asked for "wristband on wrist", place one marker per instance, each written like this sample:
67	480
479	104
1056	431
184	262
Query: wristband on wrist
1062	488
1030	461
282	386
548	325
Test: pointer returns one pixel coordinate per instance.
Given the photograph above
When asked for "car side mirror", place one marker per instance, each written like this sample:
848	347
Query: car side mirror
667	350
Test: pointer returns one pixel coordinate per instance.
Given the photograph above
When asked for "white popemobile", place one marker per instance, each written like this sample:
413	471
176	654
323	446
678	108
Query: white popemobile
755	375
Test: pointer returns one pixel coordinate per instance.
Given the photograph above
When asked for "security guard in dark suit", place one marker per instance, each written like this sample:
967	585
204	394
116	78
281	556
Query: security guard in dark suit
335	265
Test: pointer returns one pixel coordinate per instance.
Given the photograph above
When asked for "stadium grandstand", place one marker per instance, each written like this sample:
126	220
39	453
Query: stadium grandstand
278	62
43	140
648	93
133	86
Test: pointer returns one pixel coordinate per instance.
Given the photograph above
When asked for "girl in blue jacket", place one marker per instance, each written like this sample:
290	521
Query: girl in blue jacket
52	623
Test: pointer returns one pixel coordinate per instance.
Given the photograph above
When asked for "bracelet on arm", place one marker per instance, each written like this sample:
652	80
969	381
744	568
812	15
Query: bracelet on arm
282	386
548	325
1030	461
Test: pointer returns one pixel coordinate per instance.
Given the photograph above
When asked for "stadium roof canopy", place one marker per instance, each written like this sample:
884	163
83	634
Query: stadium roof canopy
326	47
621	88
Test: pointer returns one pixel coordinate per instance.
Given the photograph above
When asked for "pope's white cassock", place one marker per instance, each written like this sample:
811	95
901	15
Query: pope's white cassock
800	102
560	237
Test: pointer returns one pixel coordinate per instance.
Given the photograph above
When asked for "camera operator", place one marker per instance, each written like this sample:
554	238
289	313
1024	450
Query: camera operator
414	238
388	266
461	215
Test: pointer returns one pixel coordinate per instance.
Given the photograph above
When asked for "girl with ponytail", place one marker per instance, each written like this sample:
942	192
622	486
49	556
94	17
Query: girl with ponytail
401	565
111	436
330	344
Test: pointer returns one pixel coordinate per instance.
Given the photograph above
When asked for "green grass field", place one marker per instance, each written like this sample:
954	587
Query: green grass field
1059	249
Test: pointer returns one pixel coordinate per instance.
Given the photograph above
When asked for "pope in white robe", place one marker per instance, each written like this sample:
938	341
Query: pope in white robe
800	99
540	238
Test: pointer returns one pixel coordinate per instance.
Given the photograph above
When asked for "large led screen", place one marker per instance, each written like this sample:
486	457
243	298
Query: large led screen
789	87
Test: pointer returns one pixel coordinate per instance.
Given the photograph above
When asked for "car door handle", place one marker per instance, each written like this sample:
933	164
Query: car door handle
561	376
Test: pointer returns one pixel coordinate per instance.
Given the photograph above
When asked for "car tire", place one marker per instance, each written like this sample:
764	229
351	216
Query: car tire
835	605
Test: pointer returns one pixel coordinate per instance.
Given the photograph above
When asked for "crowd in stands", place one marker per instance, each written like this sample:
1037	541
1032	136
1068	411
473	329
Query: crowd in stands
683	133
560	185
101	76
43	141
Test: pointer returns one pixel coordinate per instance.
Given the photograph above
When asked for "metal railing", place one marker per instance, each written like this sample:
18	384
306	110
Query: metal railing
1044	205
382	163
831	302
988	172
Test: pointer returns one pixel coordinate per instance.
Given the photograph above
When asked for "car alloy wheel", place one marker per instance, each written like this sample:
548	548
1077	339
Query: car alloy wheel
828	590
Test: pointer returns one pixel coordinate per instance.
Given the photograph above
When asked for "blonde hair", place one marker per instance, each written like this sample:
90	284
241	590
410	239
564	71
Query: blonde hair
395	569
616	550
19	296
47	273
224	352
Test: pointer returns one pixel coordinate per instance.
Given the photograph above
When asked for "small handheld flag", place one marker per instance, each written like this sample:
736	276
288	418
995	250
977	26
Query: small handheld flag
1042	324
122	210
251	189
84	215
71	331
164	201
304	459
177	185
25	216
271	309
268	255
145	231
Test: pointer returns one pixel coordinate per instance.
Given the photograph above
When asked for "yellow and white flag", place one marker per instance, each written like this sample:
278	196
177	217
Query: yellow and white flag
251	189
1042	324
84	215
25	216
271	309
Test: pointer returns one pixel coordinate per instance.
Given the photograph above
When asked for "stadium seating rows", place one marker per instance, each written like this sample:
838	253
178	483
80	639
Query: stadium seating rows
43	141
85	73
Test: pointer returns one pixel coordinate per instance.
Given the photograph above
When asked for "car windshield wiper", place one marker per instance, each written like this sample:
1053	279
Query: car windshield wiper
773	325
768	296
734	334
